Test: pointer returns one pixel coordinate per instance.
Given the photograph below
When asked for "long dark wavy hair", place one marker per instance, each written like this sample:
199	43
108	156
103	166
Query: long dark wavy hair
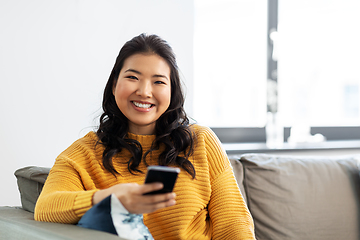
172	128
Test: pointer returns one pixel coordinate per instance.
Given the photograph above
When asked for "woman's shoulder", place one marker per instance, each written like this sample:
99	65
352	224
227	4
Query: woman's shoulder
197	128
89	143
90	139
215	153
200	130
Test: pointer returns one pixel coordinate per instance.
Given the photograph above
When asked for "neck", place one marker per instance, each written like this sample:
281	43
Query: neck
142	130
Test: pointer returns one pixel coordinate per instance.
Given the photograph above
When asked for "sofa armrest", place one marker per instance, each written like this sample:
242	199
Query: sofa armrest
30	182
16	223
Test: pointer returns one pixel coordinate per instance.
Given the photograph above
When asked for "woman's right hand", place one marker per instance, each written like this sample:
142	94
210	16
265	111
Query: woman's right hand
131	196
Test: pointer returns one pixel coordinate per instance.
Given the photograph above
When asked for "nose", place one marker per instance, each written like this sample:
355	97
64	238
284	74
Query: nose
144	89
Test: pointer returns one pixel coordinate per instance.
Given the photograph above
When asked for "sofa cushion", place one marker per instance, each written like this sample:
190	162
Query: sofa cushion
16	223
303	197
30	182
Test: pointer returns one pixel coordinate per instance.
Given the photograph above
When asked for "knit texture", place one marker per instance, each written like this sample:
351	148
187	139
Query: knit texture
208	207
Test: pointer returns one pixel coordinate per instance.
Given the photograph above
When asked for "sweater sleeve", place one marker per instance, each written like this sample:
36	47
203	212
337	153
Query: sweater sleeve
63	198
228	212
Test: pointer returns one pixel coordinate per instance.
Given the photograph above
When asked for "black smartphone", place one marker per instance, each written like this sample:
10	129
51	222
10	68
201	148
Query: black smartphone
166	175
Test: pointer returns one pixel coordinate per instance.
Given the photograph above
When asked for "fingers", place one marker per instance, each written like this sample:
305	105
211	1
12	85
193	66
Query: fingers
158	198
151	203
133	199
150	187
159	205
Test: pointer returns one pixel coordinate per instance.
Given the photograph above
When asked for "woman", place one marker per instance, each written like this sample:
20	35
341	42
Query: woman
144	124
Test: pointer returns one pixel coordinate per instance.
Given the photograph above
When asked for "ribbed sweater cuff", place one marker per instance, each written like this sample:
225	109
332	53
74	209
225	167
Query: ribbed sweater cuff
83	202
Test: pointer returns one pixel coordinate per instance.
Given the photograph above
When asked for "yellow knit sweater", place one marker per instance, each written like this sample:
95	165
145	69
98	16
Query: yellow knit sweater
208	207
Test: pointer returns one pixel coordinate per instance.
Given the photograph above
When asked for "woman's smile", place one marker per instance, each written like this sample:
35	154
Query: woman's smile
142	107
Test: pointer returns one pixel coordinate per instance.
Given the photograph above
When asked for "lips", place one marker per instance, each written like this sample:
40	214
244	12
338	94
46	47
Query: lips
142	105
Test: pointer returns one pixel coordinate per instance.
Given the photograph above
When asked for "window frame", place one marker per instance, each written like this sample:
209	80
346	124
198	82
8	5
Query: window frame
257	135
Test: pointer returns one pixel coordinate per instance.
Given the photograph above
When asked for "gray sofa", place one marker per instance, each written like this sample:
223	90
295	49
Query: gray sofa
289	197
301	197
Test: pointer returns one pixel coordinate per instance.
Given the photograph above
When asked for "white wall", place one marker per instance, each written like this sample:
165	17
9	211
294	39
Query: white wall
55	58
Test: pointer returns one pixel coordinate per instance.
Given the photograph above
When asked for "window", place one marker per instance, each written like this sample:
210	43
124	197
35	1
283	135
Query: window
308	51
318	62
230	63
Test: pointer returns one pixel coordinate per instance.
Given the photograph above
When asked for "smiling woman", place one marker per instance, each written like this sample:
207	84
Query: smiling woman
144	124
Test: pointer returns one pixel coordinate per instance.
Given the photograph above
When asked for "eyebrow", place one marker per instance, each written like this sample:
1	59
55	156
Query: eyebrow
137	72
133	70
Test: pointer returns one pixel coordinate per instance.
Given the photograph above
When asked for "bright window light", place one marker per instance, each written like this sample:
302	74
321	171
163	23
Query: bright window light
318	62
230	63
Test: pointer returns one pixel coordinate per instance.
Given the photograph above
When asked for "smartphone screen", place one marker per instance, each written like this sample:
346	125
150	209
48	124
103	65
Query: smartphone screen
166	175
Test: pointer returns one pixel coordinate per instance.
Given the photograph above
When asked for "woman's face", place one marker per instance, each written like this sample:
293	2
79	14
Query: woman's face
143	91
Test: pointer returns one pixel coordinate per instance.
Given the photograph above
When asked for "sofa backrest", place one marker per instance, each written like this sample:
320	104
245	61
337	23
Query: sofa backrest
303	197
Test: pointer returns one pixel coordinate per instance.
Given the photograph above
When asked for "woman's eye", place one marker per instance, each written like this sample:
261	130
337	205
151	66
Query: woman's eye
132	77
159	82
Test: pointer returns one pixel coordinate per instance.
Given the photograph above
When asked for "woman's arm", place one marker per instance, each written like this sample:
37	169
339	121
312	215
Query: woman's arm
66	195
228	212
63	198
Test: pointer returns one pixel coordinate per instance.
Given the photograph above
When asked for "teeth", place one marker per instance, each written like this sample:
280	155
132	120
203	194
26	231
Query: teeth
142	105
